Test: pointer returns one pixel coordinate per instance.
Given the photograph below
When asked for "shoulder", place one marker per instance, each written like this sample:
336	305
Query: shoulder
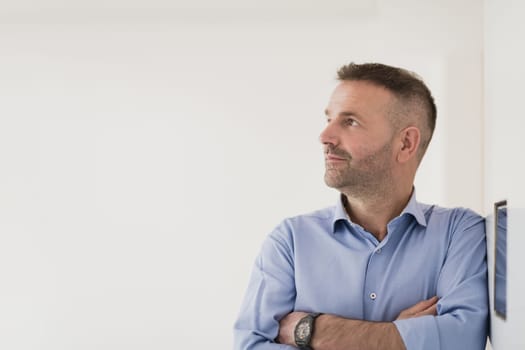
453	220
318	220
456	215
317	216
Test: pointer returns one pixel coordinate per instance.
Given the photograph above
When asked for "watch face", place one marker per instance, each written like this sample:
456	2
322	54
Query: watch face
302	331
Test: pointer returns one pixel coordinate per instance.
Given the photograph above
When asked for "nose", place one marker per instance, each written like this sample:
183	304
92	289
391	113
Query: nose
329	134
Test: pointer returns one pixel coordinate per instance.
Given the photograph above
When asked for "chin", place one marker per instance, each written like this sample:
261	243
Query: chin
333	183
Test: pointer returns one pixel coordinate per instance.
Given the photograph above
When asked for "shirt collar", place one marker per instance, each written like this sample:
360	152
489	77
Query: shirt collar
339	212
413	208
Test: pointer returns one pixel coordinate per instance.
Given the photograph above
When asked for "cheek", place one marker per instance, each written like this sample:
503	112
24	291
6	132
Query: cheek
362	146
359	150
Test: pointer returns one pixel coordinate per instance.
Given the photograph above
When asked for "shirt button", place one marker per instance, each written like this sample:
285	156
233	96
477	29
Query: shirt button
373	296
378	251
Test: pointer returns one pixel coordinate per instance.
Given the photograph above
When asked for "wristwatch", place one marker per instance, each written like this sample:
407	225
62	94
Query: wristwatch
304	330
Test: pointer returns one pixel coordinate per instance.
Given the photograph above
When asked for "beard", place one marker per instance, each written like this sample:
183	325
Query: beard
362	178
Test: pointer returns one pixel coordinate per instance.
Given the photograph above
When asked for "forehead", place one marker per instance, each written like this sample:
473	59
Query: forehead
360	96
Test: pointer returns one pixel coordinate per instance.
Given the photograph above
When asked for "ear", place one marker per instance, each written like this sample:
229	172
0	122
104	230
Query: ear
409	144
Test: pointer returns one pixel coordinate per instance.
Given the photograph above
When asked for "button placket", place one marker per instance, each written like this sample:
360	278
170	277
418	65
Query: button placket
375	263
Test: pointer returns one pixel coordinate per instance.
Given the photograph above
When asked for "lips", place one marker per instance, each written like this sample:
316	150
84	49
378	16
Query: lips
334	158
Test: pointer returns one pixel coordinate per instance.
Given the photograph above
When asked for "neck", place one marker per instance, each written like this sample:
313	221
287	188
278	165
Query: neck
375	212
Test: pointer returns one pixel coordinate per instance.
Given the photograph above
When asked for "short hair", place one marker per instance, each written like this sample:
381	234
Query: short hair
406	86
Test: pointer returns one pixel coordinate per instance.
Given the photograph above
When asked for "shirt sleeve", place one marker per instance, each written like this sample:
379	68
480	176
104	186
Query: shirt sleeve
462	311
269	297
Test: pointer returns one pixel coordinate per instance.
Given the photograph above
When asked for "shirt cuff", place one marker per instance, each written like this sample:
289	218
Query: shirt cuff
419	333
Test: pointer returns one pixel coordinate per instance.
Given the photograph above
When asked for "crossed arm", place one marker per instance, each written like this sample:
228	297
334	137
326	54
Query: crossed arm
333	333
457	322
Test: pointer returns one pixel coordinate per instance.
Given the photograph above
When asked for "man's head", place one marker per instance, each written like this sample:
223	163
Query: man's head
380	121
414	102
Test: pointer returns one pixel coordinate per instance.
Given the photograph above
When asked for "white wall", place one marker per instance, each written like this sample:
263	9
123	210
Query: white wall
505	123
147	147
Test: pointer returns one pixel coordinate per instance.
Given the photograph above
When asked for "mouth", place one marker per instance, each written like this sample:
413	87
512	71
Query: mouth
332	158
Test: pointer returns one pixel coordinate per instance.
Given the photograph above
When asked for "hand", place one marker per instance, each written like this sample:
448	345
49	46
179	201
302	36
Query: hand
423	308
287	327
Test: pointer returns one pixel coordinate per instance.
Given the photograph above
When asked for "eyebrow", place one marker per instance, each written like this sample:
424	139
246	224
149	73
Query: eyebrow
344	113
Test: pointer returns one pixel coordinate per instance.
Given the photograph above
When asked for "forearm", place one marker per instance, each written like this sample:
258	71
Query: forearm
337	333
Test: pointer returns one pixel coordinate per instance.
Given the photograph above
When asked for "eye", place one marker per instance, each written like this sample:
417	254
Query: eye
351	122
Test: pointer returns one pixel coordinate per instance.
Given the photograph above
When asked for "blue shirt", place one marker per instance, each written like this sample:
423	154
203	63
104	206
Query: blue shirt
323	262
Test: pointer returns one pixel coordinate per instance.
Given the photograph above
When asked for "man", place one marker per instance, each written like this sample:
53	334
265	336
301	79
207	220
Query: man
379	270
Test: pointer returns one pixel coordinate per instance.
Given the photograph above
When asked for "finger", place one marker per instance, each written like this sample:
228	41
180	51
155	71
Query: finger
431	310
429	302
422	305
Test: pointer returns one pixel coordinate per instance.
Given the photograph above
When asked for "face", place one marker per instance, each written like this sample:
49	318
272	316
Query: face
358	138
